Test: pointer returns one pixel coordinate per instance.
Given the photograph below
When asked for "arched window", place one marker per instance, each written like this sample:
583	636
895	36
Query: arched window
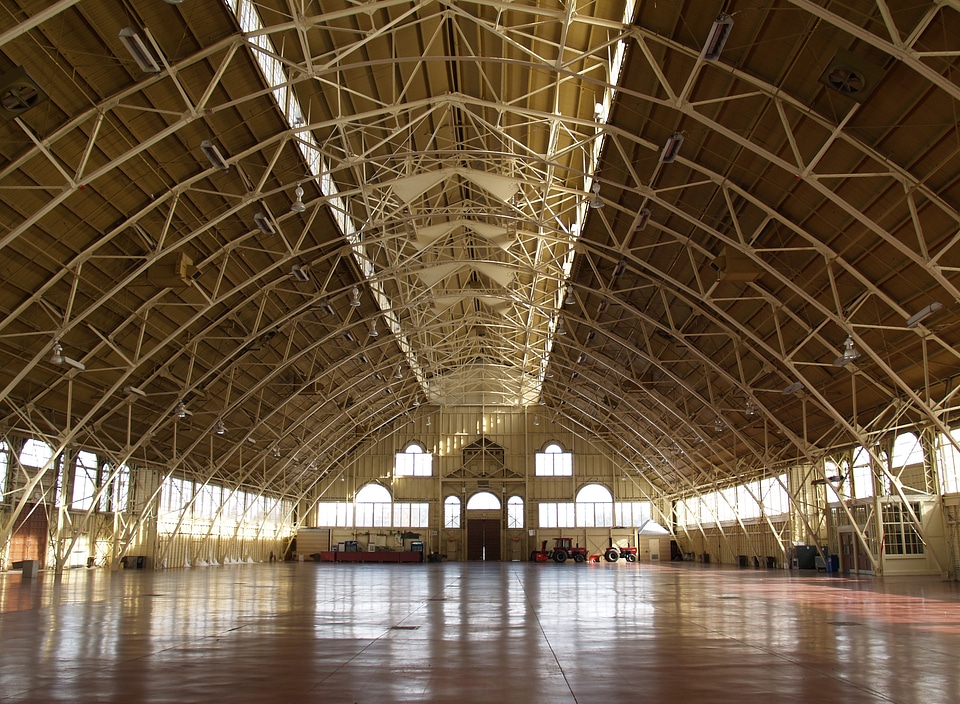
862	474
451	512
413	462
35	453
374	505
594	506
4	462
514	512
554	462
484	501
84	481
907	450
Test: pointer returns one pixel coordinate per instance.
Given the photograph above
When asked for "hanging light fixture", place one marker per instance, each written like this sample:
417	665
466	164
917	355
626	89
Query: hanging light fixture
751	409
850	353
182	411
373	328
719	33
276	451
719	424
428	422
221	428
671	148
596	202
59	358
355	297
297	206
399	374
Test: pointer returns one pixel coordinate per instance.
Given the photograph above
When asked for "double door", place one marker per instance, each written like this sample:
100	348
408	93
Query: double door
483	539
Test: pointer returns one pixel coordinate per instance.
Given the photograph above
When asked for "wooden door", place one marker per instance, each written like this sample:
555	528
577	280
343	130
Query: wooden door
483	539
29	538
847	558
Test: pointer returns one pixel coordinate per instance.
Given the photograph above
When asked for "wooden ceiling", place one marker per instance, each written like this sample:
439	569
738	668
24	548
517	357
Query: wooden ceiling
452	157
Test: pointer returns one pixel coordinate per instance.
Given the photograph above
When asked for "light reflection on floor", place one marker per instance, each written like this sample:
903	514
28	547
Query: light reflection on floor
498	632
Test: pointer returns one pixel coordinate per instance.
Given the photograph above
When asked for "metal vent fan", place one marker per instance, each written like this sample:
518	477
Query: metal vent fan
851	75
19	93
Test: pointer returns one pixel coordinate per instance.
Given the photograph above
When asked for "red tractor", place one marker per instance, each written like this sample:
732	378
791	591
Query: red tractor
615	552
562	550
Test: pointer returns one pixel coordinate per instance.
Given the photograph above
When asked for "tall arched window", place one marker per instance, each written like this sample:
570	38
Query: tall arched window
514	512
594	506
484	501
554	462
4	463
862	474
451	512
35	453
413	462
907	450
374	505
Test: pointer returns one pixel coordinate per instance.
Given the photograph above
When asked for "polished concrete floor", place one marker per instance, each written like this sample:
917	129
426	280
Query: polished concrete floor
480	632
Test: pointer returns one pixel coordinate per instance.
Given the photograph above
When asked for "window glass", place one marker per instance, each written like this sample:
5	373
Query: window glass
414	462
554	462
900	536
374	507
485	501
557	515
451	512
594	506
862	474
907	450
84	481
35	453
4	463
515	512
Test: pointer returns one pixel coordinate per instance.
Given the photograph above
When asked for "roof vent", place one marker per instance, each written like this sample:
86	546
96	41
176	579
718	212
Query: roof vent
851	75
18	93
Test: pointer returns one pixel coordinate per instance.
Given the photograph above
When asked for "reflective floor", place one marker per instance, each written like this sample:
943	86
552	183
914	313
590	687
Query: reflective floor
496	632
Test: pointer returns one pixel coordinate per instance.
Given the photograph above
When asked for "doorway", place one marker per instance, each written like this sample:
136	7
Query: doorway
483	539
853	555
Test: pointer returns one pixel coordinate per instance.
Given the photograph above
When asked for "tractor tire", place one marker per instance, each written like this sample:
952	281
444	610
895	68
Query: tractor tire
630	557
578	558
560	556
611	555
